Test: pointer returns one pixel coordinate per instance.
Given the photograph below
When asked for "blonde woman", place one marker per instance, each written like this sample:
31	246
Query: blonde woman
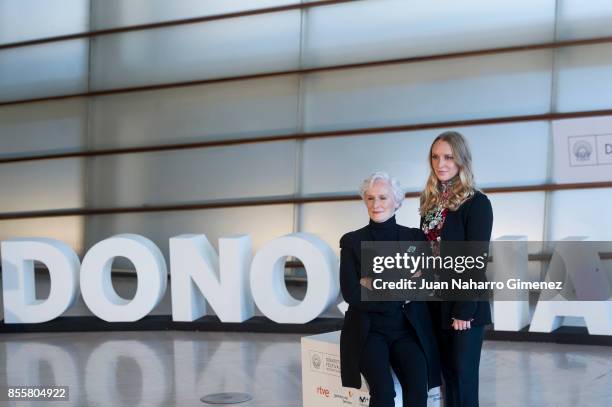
452	209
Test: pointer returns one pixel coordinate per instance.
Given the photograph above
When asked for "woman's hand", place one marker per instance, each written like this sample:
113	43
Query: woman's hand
461	325
366	282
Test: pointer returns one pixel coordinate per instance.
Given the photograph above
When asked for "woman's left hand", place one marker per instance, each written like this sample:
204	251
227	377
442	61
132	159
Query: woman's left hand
461	325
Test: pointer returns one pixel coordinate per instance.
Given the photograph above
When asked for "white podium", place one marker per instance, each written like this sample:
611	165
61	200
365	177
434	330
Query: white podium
321	384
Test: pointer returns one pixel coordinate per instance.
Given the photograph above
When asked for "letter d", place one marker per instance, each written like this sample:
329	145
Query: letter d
20	303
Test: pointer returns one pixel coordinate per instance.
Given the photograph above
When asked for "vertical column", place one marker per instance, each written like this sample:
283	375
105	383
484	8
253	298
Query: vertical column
86	165
550	155
299	143
299	149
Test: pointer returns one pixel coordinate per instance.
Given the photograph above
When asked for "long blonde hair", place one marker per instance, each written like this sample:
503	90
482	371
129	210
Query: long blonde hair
463	187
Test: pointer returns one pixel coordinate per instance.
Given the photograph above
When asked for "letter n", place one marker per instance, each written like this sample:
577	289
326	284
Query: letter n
199	274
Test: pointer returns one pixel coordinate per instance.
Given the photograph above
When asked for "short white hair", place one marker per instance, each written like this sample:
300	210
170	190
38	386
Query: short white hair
398	191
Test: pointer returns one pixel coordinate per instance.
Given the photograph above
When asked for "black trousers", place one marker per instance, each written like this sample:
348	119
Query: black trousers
460	360
393	343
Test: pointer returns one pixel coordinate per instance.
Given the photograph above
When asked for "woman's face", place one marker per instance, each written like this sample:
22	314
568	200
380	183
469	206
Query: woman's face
443	161
380	201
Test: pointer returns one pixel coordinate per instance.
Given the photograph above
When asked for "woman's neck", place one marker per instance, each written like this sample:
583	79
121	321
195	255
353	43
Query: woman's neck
446	191
383	225
447	186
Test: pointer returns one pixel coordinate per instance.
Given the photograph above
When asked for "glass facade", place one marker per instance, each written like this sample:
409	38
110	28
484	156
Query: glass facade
500	85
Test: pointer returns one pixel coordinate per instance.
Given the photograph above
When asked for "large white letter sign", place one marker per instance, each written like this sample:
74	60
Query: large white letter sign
511	261
198	273
268	278
96	286
20	303
587	282
548	315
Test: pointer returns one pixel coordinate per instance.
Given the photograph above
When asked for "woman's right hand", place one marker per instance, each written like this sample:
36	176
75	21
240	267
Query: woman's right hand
366	282
461	325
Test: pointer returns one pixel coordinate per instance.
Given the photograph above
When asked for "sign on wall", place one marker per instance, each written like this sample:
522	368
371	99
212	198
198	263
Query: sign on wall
583	149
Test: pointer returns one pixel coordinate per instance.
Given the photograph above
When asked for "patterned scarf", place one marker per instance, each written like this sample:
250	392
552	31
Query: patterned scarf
434	220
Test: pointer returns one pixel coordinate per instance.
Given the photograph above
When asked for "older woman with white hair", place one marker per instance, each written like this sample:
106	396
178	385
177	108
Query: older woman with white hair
376	335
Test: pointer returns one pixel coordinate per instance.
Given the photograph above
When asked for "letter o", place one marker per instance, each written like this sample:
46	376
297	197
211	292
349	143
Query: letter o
268	278
96	286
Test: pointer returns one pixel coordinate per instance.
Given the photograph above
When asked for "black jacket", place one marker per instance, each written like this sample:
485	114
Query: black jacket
472	221
357	318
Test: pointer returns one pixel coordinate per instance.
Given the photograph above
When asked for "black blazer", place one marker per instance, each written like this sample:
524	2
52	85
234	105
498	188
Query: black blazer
472	221
357	318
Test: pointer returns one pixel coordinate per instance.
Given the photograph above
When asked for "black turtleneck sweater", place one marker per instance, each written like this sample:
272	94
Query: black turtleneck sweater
350	261
384	231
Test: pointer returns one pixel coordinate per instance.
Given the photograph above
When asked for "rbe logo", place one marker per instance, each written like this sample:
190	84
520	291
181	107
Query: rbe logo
322	391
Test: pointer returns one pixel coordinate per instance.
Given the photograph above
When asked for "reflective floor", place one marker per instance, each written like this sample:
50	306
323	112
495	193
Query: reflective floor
177	368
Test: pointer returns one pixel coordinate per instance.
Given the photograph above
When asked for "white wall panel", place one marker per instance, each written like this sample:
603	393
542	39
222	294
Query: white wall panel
22	20
465	88
197	51
41	185
383	29
119	13
520	213
42	127
330	220
251	170
262	223
408	213
584	19
43	70
584	78
218	111
582	212
494	149
68	229
340	164
509	154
